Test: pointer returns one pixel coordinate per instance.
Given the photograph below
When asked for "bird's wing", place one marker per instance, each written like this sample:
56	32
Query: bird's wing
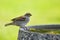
21	18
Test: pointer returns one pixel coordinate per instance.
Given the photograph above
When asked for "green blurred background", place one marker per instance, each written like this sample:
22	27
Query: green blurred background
43	11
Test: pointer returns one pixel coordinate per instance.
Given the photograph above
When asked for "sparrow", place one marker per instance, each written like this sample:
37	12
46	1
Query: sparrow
20	21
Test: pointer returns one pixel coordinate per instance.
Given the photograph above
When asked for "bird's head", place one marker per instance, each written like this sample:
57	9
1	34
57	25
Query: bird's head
28	14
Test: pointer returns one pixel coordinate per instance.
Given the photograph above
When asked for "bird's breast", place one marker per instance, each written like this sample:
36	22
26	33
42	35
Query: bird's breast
27	19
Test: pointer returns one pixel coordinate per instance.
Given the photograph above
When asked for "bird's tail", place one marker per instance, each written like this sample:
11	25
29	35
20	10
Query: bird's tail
8	24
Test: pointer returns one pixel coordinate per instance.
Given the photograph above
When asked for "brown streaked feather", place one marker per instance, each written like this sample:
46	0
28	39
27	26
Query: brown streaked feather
21	18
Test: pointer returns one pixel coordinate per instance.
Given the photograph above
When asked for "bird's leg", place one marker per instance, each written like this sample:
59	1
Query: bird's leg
24	27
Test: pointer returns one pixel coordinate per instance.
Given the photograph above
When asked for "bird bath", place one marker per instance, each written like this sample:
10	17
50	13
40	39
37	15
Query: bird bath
29	35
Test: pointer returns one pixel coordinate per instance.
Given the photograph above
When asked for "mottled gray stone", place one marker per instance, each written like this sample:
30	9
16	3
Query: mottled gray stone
25	34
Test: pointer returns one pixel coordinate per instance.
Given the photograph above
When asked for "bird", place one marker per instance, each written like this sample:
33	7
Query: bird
20	21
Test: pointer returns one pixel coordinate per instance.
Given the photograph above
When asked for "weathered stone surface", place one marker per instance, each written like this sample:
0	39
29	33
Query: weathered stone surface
47	26
25	34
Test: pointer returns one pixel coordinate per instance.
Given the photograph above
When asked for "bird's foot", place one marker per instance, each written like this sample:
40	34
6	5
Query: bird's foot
25	28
